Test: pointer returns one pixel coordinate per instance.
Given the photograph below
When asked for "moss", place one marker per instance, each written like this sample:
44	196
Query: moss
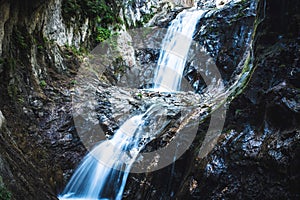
21	100
247	65
43	83
4	193
147	17
73	82
21	39
119	65
73	50
40	47
12	90
45	39
11	63
12	87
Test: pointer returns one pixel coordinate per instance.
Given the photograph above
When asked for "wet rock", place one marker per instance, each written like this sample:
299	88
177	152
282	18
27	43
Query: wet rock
257	154
260	162
225	33
1	119
205	4
164	18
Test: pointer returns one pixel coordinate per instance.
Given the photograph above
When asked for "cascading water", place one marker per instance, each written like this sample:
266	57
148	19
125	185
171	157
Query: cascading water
108	165
175	47
104	171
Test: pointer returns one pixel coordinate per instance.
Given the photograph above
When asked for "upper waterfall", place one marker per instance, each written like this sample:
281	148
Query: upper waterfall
174	50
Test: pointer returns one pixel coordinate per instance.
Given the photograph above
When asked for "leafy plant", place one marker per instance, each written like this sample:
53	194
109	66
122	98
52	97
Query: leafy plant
43	83
4	193
20	39
102	34
139	95
40	47
102	15
73	82
147	17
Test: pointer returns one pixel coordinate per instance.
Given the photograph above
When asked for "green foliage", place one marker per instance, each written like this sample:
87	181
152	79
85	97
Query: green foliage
4	193
12	90
40	47
73	82
43	83
139	95
75	51
102	34
20	39
147	17
102	14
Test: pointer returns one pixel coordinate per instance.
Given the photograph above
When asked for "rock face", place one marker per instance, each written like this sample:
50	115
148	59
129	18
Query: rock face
225	34
137	13
257	158
37	59
1	119
257	154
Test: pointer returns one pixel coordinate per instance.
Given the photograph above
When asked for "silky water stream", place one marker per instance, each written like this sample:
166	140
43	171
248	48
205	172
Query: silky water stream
104	171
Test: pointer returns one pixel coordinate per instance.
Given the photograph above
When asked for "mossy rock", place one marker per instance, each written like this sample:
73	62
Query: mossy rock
4	193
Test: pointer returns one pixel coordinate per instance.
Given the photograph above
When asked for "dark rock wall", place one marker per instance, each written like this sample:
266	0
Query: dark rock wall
225	34
38	59
257	156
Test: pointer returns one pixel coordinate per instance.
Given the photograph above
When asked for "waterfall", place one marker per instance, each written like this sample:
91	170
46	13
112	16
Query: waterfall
175	47
108	165
104	171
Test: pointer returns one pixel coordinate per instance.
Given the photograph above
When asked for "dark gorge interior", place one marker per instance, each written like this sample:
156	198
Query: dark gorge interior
60	85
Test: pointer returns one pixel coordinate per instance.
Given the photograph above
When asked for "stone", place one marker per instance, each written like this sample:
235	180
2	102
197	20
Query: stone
1	119
4	15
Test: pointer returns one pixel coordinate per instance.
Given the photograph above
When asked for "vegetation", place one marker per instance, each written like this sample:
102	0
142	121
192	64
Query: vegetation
139	95
147	17
4	193
20	39
73	82
43	83
73	50
102	34
119	65
103	15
